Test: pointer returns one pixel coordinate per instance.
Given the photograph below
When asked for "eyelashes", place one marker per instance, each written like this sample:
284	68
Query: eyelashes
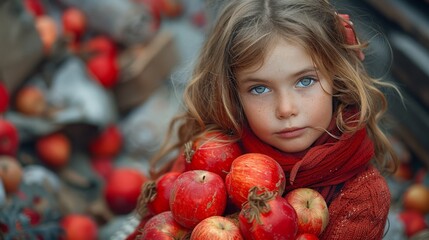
259	89
304	82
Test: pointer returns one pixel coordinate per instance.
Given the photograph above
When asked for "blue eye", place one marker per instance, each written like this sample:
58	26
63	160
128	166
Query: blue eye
305	82
259	90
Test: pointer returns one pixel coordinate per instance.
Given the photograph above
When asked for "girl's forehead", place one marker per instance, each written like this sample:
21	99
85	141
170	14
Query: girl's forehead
282	49
288	58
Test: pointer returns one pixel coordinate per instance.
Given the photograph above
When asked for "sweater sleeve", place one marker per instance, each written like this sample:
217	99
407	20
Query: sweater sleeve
361	208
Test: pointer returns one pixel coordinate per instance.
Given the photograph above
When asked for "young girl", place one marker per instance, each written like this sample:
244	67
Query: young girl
285	78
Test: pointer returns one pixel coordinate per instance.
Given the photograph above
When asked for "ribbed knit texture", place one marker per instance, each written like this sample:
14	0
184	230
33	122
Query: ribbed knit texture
360	209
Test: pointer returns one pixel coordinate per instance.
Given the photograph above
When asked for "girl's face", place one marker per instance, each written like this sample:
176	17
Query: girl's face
287	102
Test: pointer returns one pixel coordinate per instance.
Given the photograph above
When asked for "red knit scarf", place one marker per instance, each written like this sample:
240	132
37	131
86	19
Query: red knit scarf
326	164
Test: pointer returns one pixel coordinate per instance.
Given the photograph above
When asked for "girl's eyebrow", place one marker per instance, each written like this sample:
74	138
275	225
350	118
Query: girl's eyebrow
305	71
251	80
300	73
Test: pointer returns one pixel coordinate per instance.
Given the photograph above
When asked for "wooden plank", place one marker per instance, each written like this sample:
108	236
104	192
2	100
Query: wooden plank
411	65
413	19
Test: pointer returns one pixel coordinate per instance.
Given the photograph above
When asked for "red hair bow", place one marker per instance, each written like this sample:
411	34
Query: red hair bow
350	34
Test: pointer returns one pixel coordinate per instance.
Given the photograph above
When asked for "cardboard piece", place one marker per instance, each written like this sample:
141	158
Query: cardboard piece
143	69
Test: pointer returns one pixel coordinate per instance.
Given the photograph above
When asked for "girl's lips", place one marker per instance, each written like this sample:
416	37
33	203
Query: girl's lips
290	133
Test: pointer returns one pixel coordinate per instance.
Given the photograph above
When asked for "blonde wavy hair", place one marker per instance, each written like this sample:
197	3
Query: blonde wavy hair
241	38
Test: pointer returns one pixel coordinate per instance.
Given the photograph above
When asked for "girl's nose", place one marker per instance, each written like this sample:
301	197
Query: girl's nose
285	106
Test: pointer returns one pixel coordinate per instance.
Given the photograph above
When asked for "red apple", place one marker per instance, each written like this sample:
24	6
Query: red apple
74	23
31	101
253	169
47	29
422	177
35	7
155	195
416	197
108	143
171	8
27	218
404	172
4	98
311	209
197	195
101	45
103	166
10	173
179	163
213	152
306	236
163	227
123	189
79	227
9	138
413	221
104	70
32	215
216	228
199	19
267	215
54	149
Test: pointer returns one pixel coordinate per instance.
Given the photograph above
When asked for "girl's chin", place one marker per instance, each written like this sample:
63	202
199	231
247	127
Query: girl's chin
292	149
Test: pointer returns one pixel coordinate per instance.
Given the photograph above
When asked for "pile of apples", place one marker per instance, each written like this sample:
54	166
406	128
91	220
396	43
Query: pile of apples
221	193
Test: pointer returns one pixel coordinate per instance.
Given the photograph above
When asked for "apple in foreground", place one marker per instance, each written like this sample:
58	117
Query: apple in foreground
196	195
213	152
216	228
163	226
253	170
306	236
311	209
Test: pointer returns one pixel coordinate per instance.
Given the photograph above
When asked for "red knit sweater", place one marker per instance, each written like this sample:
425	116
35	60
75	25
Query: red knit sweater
360	210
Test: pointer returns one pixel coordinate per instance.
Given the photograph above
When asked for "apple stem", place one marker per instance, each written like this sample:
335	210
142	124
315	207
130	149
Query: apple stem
189	152
147	194
257	203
